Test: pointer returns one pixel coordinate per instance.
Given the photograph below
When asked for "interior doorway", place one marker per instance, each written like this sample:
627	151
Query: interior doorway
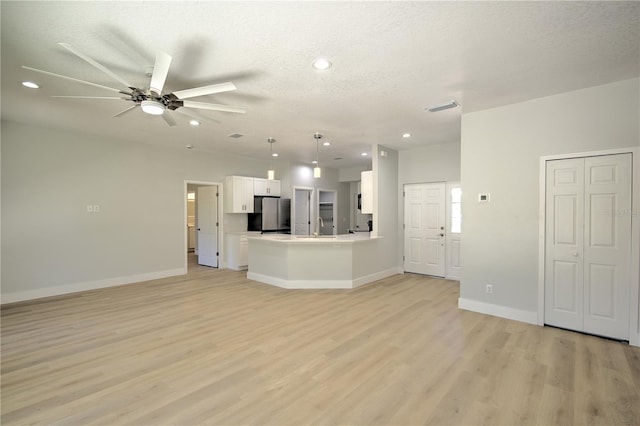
302	210
202	218
327	212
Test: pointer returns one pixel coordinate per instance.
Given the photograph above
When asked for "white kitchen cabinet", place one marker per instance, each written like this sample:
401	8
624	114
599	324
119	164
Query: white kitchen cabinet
266	187
238	194
237	250
366	189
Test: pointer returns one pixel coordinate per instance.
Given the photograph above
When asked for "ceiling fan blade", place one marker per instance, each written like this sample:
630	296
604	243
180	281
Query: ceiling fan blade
194	115
75	79
125	111
168	119
93	97
160	71
96	64
213	107
205	90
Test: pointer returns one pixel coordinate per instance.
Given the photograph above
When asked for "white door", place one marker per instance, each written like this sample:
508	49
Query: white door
424	228
454	231
208	226
588	244
302	207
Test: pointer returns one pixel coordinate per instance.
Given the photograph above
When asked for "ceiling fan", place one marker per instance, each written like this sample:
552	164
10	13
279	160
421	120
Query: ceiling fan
152	100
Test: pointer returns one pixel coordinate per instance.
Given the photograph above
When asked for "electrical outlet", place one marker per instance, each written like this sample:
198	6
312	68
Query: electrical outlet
489	288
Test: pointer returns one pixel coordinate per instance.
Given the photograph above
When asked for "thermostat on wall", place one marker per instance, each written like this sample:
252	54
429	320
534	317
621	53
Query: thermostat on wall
484	198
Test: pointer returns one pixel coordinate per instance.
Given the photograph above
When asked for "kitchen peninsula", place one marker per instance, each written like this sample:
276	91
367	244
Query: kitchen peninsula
308	262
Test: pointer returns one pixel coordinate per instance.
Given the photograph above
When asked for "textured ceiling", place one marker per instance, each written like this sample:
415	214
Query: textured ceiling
390	61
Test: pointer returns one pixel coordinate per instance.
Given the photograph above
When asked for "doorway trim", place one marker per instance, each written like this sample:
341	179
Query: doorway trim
634	285
293	205
185	242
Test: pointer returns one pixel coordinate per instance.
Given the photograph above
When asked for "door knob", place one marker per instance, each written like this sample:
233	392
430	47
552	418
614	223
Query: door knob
442	235
575	254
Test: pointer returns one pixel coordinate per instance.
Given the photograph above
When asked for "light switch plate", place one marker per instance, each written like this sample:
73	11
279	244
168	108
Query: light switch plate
484	198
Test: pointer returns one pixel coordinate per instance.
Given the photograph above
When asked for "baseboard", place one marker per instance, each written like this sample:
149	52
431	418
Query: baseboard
498	311
634	340
299	284
21	296
321	284
376	276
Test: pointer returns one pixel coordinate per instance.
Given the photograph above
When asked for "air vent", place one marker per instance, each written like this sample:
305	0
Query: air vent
337	158
436	108
235	135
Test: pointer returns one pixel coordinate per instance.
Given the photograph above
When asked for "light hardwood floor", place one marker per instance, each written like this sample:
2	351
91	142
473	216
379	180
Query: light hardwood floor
213	347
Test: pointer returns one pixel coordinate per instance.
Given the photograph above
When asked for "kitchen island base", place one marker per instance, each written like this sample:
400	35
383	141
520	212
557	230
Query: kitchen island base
337	262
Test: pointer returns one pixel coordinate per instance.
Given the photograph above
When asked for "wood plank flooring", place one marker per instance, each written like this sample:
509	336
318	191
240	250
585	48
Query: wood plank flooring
215	348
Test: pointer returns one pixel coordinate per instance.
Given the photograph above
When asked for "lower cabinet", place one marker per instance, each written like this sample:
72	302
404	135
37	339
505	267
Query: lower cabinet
237	247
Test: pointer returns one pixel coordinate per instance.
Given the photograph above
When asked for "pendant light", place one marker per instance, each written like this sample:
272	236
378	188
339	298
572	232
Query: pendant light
317	172
271	174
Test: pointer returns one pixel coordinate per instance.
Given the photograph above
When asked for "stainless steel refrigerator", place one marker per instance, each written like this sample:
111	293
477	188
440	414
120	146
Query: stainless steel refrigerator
270	214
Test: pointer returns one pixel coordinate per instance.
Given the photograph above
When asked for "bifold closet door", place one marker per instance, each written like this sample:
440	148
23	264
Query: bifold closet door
588	244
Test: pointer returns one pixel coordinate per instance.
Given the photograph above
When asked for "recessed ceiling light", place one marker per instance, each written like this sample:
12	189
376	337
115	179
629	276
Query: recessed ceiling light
275	154
194	122
364	154
235	135
321	64
314	162
189	146
326	143
406	135
30	84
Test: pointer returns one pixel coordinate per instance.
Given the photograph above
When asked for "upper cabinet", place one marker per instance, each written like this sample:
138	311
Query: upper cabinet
238	194
366	189
266	187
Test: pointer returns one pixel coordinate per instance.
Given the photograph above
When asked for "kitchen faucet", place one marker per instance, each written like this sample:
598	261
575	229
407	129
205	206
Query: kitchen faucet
320	224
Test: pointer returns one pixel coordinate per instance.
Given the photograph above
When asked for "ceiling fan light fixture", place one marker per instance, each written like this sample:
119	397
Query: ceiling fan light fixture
152	107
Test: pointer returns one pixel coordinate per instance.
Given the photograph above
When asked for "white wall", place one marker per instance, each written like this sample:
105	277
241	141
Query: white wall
51	245
385	197
432	163
352	174
501	150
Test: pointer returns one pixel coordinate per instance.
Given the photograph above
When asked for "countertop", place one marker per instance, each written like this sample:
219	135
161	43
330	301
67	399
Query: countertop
322	239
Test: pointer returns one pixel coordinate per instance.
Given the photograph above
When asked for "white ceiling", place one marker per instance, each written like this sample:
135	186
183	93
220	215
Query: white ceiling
390	61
